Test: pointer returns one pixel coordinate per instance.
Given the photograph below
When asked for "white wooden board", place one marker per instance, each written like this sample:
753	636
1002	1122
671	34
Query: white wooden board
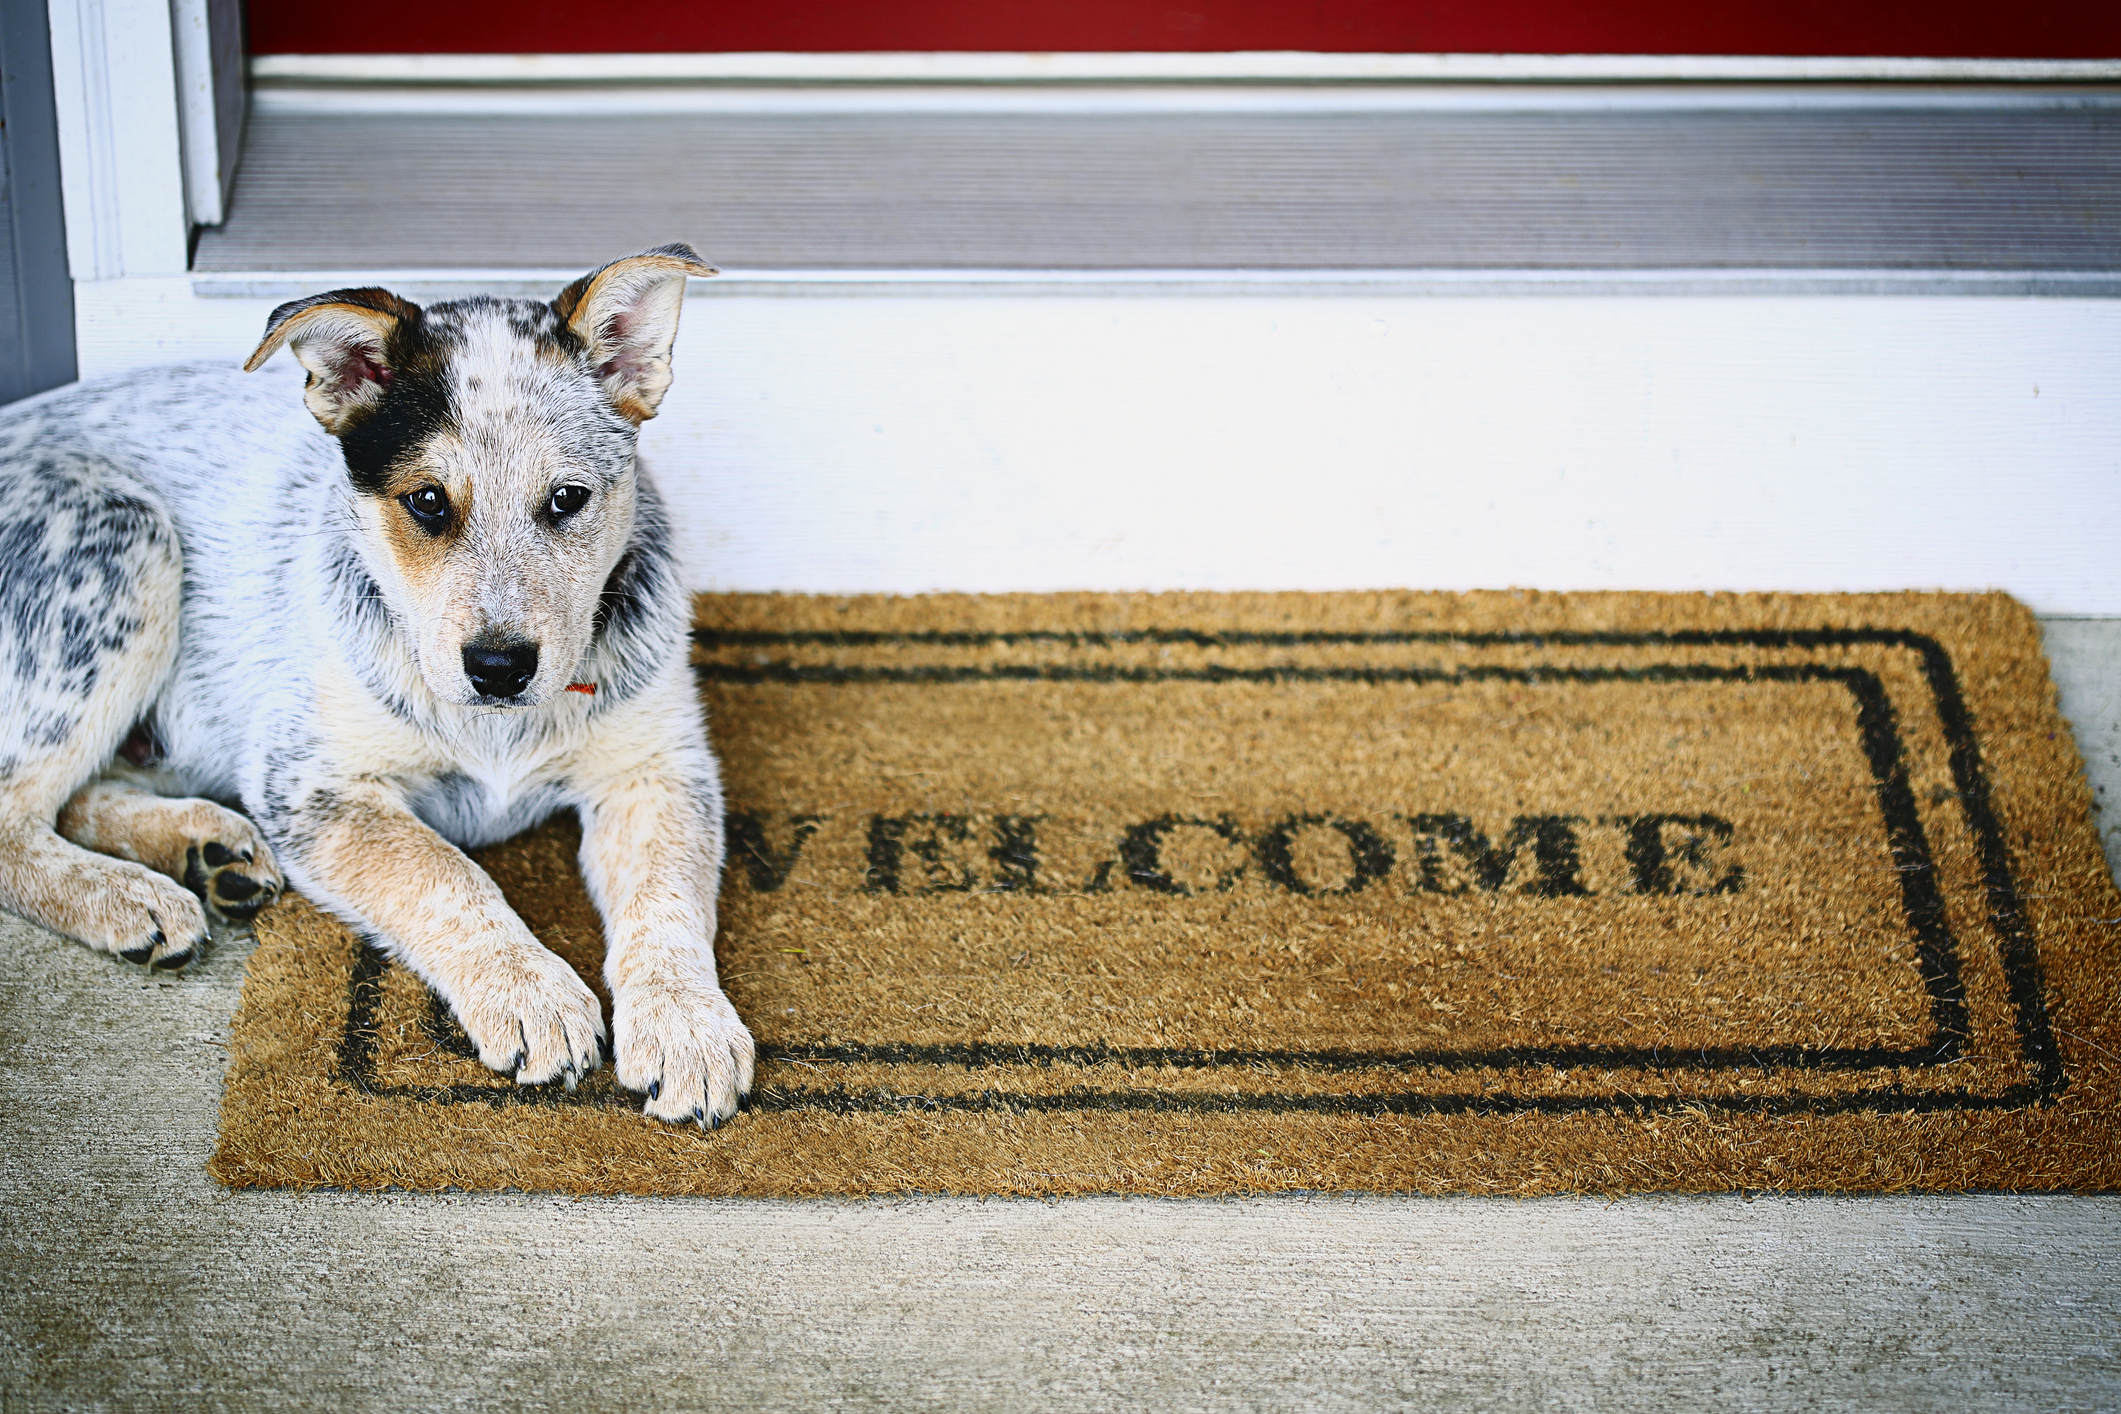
989	442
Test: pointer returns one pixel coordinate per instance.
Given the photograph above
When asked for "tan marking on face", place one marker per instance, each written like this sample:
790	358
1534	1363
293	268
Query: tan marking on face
419	554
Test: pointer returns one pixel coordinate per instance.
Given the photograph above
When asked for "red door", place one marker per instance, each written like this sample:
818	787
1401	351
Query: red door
2060	29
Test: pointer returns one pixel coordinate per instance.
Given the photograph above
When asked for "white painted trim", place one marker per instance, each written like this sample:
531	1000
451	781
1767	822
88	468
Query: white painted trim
1262	67
836	444
197	120
88	180
432	284
120	157
534	100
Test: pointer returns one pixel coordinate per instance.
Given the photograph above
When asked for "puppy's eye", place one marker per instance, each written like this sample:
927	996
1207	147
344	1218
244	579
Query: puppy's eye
568	499
429	507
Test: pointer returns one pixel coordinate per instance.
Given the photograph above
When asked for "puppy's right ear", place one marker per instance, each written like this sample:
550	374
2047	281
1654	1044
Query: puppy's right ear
345	339
626	315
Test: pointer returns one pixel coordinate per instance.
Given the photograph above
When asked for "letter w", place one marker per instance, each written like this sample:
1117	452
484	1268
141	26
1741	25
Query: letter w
765	867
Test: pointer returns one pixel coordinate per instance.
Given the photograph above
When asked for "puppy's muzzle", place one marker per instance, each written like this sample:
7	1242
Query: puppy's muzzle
500	670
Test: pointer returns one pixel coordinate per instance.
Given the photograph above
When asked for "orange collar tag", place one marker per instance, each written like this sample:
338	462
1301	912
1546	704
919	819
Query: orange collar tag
588	687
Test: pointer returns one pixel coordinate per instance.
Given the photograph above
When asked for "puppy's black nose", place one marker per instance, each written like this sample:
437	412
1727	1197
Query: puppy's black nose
500	670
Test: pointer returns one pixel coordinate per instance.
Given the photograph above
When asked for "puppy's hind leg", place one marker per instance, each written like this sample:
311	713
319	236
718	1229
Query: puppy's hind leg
90	584
213	851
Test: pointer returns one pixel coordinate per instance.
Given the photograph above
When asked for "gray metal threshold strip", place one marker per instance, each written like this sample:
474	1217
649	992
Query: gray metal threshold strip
1809	192
429	285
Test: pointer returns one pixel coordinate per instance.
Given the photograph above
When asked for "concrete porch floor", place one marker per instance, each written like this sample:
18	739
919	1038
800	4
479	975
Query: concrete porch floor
129	1280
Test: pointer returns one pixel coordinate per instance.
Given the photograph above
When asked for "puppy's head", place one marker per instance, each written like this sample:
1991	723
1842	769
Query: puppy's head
491	446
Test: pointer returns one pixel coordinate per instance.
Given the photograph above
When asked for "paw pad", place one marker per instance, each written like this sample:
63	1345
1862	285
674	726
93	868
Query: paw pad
228	881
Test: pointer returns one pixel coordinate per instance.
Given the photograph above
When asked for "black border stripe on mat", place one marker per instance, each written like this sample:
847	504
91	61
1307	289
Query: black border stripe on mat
1936	953
2019	954
770	1099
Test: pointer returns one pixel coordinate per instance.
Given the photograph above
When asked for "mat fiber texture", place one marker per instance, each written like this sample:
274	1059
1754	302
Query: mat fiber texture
1186	894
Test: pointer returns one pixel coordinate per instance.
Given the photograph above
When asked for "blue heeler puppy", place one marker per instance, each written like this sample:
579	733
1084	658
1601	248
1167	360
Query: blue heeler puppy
424	614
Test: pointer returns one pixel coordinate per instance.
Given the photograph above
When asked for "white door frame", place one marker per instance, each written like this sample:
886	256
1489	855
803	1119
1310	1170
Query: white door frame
149	99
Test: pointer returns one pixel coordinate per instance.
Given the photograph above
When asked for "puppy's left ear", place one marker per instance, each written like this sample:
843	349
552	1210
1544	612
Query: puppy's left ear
627	313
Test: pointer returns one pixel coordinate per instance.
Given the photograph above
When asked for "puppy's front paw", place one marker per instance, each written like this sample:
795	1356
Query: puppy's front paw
680	1044
530	1016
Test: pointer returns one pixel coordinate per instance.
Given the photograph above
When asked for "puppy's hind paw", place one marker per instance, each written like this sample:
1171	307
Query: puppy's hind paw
680	1044
235	886
231	868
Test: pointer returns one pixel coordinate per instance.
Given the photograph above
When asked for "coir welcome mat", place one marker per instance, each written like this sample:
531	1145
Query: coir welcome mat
1503	893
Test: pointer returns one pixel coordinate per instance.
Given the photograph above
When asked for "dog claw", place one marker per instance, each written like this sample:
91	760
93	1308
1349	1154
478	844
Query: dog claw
146	950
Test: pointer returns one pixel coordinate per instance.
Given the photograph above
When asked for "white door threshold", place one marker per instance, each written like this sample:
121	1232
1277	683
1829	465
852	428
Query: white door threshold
280	72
